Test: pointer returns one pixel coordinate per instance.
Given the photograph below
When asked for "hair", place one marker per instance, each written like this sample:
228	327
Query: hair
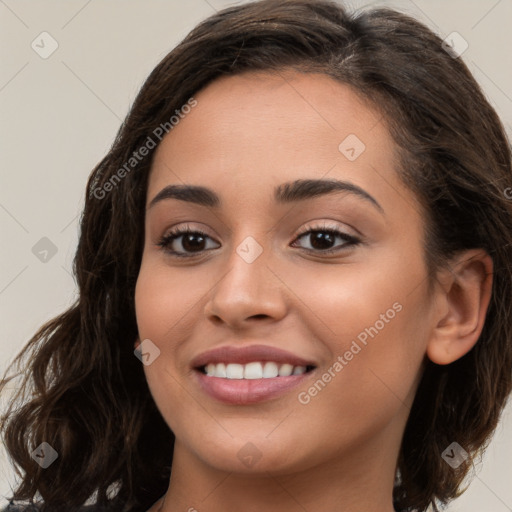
85	393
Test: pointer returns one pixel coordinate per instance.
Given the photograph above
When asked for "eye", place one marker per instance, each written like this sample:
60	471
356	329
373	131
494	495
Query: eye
322	238
192	241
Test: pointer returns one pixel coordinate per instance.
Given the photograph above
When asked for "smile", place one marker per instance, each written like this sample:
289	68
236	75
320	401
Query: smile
243	375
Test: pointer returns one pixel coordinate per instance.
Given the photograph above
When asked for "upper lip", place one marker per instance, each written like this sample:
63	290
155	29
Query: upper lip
244	355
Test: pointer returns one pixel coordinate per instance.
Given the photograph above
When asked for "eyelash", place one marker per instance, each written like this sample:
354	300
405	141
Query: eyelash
166	241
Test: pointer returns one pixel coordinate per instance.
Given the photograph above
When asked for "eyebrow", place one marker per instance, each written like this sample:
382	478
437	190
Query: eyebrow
285	193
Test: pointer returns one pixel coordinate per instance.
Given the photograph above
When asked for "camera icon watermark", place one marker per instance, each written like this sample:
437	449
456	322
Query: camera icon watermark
249	455
44	455
147	352
454	455
44	250
44	45
455	45
249	250
508	193
351	147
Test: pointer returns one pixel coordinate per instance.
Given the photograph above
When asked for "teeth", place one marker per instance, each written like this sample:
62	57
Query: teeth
234	371
220	370
299	370
270	370
285	370
255	370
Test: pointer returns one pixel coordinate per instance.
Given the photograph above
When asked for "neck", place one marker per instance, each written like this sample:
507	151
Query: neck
355	481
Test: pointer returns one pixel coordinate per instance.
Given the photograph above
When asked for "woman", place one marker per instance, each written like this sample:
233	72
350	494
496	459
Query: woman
302	233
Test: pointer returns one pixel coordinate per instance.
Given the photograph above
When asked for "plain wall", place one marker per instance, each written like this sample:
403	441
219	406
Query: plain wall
59	116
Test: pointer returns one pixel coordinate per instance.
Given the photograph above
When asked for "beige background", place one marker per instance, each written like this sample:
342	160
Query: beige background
59	116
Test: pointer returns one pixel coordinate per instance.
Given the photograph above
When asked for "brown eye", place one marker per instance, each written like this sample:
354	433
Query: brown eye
323	240
184	242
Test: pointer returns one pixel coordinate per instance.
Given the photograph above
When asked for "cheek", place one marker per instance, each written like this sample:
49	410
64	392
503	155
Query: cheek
371	380
163	300
161	306
345	303
377	322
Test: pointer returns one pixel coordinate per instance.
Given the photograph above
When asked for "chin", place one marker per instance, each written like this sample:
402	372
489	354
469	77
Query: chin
257	455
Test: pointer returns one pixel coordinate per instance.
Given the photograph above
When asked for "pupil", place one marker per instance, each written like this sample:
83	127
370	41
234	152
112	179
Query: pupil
319	240
189	244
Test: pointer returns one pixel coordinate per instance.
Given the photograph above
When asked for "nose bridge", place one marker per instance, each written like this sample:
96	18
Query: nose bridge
249	287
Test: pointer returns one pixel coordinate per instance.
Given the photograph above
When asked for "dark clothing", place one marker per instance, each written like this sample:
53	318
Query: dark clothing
34	508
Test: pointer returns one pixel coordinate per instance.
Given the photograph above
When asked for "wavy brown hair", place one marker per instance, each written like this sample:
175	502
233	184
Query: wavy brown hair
85	393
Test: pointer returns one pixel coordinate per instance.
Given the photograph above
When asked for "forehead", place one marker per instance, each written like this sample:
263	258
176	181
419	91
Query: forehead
259	129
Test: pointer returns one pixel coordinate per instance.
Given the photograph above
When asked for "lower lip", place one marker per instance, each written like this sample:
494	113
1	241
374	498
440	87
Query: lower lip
248	391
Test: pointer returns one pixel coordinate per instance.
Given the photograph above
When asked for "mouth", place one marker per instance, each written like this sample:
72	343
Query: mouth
242	375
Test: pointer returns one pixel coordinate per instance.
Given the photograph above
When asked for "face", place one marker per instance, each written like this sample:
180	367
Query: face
330	279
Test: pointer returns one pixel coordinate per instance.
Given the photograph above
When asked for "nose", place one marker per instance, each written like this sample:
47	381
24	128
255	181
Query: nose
248	292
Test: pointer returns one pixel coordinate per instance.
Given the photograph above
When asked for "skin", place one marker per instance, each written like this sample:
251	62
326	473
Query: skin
247	134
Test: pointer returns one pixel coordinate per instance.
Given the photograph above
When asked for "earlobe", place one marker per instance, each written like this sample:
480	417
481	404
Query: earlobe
465	294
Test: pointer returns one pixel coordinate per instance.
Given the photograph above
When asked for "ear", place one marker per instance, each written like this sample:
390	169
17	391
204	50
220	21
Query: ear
463	299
